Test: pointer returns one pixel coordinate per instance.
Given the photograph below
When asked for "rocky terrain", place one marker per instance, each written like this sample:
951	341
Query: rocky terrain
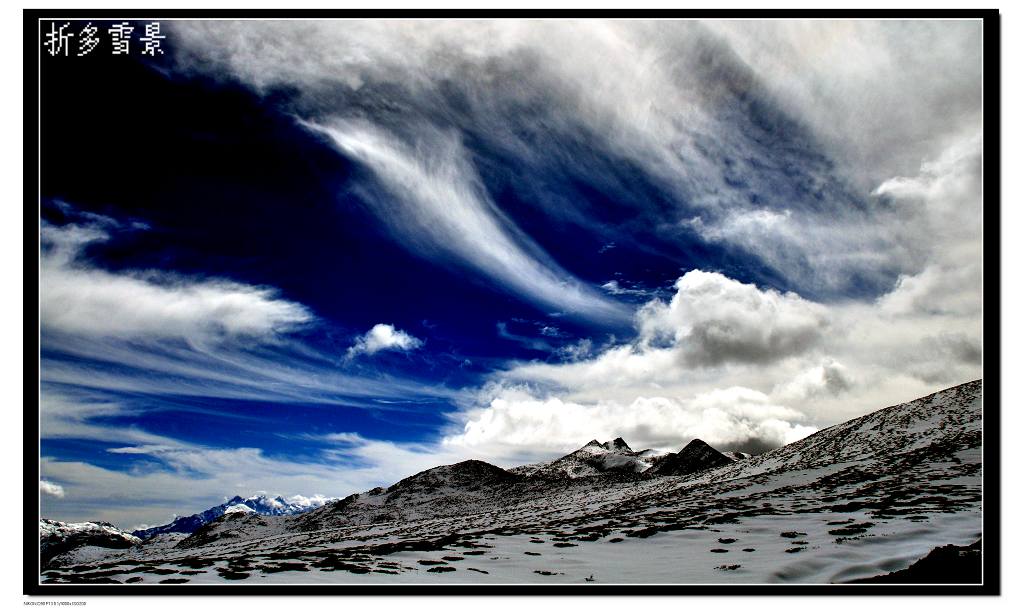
856	501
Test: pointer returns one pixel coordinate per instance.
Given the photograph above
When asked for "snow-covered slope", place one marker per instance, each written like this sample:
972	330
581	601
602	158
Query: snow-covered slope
935	426
238	508
860	499
737	456
57	537
440	491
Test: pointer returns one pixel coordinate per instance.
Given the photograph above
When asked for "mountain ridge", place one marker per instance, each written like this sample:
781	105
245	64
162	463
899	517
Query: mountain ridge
260	504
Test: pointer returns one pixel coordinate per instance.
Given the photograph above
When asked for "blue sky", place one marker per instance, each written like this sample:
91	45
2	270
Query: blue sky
316	257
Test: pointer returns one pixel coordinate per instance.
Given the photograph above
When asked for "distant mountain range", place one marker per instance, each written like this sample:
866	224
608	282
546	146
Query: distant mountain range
259	504
380	504
593	458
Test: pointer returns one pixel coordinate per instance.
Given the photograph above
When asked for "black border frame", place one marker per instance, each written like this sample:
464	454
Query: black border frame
991	331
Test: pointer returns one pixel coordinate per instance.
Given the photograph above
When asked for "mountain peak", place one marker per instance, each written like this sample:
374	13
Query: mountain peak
693	457
617	444
469	474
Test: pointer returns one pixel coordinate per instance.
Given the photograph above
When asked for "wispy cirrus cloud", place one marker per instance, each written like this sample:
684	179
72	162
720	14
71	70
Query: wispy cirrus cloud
161	332
438	204
769	136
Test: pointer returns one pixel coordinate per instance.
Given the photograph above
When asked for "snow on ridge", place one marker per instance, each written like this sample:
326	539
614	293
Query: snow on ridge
594	458
264	504
238	508
896	429
905	426
259	503
60	530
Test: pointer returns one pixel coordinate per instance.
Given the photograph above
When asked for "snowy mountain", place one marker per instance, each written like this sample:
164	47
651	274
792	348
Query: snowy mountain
57	537
259	504
855	501
594	458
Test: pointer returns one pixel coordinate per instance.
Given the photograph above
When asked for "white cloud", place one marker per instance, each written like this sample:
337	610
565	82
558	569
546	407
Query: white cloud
384	337
316	500
713	320
830	361
50	488
76	298
577	350
943	218
942	288
883	95
733	418
727	362
828	378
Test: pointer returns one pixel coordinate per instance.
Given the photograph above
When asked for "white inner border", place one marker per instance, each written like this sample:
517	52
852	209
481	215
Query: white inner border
11	247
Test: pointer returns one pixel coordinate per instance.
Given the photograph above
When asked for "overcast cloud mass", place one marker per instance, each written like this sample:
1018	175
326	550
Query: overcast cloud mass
362	249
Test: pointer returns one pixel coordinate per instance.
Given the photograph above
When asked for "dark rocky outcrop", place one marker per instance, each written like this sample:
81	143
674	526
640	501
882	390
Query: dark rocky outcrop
947	564
695	457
